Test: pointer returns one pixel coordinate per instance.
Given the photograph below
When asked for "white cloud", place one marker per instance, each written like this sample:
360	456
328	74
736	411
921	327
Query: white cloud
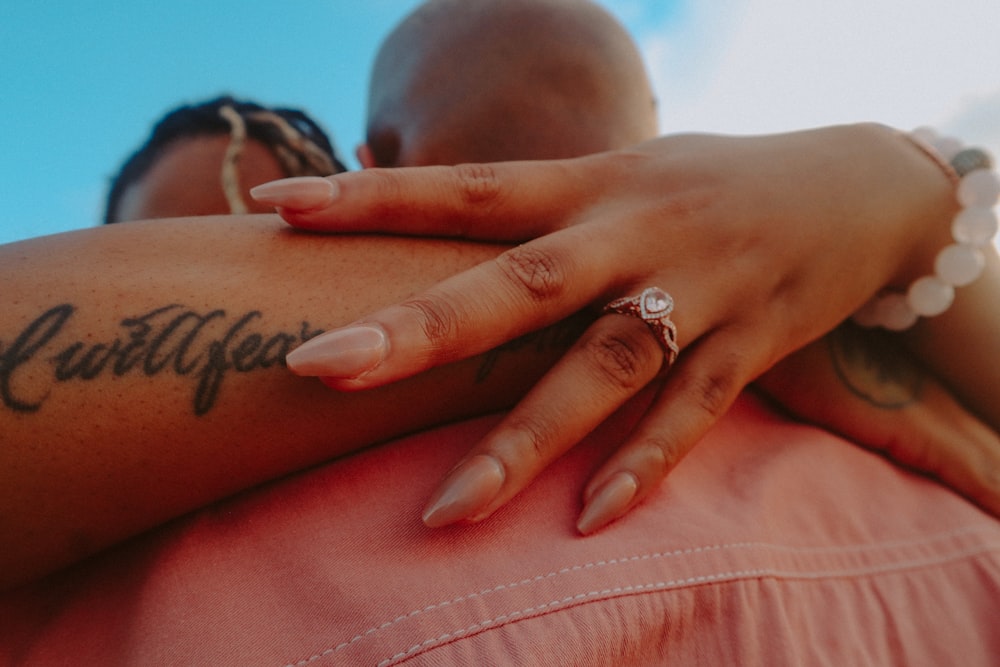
754	66
977	121
771	65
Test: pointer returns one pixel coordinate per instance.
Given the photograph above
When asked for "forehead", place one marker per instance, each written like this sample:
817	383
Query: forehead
186	179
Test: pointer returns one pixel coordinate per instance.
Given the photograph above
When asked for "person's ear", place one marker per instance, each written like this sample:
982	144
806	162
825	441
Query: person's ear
380	149
365	156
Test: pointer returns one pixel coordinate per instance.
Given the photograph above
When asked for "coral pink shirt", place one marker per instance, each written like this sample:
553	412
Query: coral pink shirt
773	543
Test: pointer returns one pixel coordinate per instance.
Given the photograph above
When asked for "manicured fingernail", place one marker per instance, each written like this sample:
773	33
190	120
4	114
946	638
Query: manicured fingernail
344	353
302	193
608	502
466	491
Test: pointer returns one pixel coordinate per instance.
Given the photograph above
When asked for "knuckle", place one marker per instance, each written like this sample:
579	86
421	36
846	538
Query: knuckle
624	360
712	392
529	442
534	272
439	321
477	184
662	453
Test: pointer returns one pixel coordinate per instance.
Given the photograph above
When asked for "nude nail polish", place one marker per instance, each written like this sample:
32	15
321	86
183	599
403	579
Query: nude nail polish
302	193
466	491
608	502
343	353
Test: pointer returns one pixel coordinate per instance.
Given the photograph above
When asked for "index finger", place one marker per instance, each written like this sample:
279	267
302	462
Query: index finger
522	290
502	201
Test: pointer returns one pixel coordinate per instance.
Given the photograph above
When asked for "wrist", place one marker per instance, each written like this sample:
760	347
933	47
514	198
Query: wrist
946	234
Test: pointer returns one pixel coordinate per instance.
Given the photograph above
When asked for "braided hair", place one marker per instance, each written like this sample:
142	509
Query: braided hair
298	143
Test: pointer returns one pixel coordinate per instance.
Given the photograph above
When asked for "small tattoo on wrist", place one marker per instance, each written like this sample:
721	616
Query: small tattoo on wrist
874	367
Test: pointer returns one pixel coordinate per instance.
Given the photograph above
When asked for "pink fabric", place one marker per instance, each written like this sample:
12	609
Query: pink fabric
772	544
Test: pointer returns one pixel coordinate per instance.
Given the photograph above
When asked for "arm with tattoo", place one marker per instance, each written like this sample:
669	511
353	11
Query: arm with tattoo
142	371
961	344
865	385
142	375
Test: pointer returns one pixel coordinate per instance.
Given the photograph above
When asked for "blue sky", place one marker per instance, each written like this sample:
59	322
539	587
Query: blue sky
82	81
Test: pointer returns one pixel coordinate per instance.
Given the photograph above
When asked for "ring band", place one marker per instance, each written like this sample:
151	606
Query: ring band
653	307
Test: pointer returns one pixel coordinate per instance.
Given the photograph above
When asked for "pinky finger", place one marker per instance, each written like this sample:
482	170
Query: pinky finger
697	392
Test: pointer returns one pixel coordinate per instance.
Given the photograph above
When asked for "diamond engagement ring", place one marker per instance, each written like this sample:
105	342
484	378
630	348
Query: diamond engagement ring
653	306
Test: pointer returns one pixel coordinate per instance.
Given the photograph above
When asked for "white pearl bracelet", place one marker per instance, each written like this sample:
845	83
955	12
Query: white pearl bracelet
978	189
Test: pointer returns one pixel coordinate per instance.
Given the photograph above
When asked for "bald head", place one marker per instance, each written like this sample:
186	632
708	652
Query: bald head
491	80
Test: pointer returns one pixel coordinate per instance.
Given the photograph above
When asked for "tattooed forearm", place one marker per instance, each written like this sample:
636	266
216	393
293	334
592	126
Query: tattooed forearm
204	346
874	367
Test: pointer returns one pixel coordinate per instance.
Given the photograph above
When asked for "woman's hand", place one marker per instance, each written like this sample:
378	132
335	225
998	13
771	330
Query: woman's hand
765	243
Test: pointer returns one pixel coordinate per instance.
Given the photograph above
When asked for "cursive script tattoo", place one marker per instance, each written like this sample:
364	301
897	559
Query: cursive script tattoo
874	367
204	346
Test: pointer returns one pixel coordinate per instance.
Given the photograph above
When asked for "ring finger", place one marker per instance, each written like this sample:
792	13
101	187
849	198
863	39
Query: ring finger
523	290
614	359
